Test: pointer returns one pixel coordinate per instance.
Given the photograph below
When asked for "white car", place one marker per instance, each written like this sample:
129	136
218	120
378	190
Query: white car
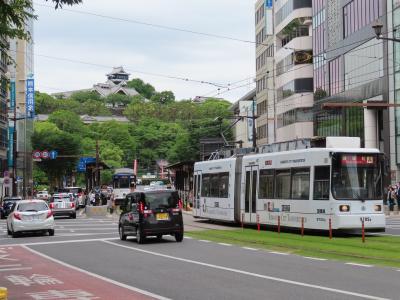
43	195
30	216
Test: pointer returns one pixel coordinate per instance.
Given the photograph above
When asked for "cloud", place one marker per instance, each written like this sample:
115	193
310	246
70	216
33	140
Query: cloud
142	48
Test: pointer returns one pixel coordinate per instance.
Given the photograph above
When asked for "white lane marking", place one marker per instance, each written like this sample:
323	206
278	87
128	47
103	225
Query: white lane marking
94	229
225	244
188	238
205	241
72	230
129	287
83	234
298	283
63	242
7	266
359	265
279	253
15	269
315	258
249	248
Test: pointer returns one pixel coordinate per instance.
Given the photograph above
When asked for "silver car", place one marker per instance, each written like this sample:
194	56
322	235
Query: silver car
30	216
63	205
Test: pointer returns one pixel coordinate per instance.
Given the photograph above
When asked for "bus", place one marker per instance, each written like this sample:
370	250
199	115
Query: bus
122	180
340	184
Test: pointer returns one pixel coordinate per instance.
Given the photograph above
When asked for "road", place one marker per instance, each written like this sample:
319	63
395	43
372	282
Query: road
85	260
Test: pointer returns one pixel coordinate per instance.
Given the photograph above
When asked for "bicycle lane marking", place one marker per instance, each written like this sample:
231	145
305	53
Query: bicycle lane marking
28	274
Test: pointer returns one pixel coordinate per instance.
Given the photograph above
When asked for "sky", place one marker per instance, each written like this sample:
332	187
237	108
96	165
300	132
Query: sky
100	43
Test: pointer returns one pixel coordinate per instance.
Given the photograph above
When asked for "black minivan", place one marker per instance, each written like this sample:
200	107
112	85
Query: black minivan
151	213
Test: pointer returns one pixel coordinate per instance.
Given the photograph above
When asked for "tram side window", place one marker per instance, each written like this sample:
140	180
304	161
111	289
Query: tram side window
301	183
205	187
282	184
266	184
223	185
321	183
214	185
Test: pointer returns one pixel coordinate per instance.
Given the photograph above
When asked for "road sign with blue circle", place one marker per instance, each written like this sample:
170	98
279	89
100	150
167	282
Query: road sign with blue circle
53	154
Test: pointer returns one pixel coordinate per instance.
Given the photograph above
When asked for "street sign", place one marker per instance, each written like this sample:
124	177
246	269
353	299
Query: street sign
53	154
45	154
30	97
36	154
81	168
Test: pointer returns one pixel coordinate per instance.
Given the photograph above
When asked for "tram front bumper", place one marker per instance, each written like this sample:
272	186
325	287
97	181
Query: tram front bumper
371	221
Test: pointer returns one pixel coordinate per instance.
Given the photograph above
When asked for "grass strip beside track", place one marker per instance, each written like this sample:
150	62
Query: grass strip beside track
377	250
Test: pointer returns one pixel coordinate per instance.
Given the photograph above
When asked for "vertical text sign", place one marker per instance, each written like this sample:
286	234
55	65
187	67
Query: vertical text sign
30	98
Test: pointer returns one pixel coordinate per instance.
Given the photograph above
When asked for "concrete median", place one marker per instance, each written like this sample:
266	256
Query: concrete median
96	211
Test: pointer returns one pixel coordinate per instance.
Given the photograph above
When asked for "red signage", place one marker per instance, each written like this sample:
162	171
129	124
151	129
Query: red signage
36	154
45	154
357	160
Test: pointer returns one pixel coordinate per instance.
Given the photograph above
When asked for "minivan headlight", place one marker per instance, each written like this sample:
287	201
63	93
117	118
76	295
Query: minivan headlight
344	208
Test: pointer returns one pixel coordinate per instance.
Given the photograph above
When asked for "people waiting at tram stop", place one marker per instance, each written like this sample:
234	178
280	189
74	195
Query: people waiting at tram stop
392	198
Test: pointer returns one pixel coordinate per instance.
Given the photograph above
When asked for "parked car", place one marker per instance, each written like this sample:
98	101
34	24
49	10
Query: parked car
78	193
63	205
30	216
7	206
43	195
151	213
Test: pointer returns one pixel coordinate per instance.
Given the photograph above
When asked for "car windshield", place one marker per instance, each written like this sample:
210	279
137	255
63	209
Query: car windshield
356	177
161	200
33	206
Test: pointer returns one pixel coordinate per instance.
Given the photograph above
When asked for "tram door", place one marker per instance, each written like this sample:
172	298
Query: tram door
250	198
197	193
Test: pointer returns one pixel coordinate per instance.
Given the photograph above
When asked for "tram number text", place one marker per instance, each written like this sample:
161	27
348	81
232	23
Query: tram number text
216	204
366	219
320	211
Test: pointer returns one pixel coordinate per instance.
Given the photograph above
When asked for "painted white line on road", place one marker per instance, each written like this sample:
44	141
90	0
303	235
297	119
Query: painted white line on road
63	242
83	229
7	266
279	253
225	244
205	241
188	238
83	234
15	269
359	265
315	258
249	248
129	287
277	279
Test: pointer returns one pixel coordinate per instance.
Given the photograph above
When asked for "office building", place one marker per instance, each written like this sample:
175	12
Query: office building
22	77
284	70
3	114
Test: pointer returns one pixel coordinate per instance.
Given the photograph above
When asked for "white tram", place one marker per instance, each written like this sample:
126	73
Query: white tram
340	184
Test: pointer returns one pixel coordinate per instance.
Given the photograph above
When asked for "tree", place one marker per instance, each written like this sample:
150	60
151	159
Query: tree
15	14
165	97
84	96
94	108
45	103
67	121
65	143
144	89
118	99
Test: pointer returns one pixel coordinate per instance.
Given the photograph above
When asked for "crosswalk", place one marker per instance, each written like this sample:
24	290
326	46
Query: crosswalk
393	222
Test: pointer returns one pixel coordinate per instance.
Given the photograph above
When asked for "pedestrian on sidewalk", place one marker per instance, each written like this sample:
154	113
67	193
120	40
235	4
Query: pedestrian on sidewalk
392	198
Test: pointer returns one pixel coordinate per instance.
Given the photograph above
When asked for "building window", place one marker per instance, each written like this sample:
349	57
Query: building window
359	13
301	85
260	37
295	116
260	13
297	32
295	58
289	7
262	132
262	107
262	58
335	76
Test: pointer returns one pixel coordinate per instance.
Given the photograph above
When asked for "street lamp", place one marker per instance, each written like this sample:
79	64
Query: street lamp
377	27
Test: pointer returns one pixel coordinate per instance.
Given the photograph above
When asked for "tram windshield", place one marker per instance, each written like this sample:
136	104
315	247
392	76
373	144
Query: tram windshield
121	182
356	176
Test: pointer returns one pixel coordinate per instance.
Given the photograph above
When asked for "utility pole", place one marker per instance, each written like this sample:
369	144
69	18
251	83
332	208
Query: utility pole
254	139
14	154
97	173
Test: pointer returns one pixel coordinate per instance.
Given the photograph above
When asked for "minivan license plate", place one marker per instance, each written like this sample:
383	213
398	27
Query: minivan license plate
162	217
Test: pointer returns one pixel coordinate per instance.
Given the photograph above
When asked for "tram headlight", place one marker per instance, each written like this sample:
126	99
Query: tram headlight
378	207
344	208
